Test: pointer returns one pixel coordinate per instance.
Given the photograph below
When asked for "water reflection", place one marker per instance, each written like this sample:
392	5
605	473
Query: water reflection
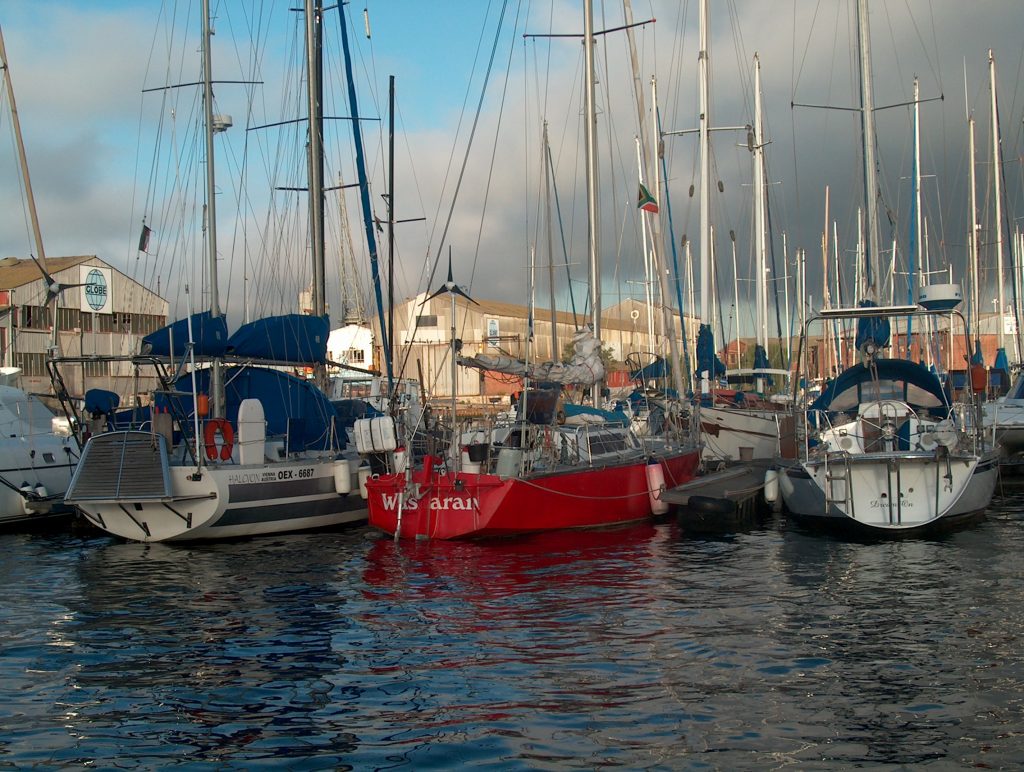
639	647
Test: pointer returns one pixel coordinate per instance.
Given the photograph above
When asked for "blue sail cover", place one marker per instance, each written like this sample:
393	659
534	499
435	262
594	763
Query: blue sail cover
899	379
707	359
210	334
977	358
292	406
1002	362
293	338
659	368
761	362
873	329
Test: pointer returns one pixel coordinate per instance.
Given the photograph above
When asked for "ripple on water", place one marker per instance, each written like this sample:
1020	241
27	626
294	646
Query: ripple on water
639	647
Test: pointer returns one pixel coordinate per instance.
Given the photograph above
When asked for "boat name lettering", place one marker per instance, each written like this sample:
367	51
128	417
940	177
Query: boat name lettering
884	504
240	478
436	503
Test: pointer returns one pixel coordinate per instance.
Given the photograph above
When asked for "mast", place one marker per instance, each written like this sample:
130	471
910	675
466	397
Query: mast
548	173
705	171
996	175
314	89
22	157
216	384
590	139
916	263
867	122
364	198
759	218
972	240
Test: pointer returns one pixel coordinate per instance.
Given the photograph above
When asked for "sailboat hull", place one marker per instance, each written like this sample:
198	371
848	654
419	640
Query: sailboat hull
732	434
889	493
153	501
467	505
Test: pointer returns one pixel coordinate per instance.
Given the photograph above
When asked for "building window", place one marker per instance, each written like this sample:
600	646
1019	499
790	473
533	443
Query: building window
85	320
35	317
427	320
96	369
31	364
105	322
68	319
356	355
144	324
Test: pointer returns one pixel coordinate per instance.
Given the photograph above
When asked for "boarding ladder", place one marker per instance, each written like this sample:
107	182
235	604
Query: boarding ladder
838	486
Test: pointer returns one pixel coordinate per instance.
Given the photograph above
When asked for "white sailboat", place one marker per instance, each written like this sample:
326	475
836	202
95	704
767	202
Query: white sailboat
185	475
730	430
884	449
36	457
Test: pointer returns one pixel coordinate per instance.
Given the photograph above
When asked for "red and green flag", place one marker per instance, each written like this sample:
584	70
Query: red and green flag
646	201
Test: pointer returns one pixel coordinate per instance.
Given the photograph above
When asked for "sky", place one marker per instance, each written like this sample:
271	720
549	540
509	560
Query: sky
98	148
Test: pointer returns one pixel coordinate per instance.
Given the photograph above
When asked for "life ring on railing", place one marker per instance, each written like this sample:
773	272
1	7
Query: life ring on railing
222	427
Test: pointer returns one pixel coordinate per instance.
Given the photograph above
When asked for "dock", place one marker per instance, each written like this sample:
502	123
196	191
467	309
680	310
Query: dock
726	500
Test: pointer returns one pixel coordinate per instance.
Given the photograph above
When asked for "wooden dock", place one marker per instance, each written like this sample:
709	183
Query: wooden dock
727	500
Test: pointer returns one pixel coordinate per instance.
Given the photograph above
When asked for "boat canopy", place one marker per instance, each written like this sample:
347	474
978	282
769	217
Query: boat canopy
707	359
293	406
293	338
899	379
872	329
209	333
659	368
584	369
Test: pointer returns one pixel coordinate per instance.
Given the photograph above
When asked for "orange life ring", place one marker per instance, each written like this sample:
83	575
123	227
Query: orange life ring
222	427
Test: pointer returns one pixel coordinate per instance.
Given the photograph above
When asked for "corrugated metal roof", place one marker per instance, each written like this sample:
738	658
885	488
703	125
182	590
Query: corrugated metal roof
16	273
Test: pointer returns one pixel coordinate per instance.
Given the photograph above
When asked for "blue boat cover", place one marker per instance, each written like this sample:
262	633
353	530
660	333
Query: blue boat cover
659	368
899	379
874	329
1001	363
610	416
293	406
210	335
293	338
761	361
707	359
976	357
101	401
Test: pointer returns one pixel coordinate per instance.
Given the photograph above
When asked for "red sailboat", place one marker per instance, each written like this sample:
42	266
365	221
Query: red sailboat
536	474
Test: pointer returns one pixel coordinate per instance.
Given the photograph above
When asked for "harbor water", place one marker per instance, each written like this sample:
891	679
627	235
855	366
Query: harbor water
640	648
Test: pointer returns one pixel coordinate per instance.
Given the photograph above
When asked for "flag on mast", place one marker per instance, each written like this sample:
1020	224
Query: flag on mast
646	201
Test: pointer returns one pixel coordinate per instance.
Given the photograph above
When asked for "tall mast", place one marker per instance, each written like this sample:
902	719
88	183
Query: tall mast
364	198
590	139
314	68
705	171
759	218
972	240
22	158
555	354
867	122
216	380
996	175
916	263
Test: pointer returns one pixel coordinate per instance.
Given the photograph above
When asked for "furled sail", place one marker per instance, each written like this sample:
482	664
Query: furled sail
584	369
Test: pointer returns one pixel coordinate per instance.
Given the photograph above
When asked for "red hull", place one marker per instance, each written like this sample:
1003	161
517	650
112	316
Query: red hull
463	506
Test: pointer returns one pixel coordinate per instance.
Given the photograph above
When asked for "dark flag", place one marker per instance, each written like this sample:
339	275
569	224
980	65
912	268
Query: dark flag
144	239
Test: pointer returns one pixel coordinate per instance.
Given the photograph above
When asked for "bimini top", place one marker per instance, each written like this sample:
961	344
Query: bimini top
898	379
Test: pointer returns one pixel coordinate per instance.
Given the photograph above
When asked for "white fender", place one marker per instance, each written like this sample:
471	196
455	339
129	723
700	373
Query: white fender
655	486
771	486
364	475
399	460
342	477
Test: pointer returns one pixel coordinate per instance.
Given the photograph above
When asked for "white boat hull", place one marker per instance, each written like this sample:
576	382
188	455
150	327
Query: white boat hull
154	501
889	491
734	434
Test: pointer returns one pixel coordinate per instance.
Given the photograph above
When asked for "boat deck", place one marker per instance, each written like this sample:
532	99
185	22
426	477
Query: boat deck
723	500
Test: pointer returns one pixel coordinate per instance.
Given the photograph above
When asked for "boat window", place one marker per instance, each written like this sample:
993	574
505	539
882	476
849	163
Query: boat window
48	458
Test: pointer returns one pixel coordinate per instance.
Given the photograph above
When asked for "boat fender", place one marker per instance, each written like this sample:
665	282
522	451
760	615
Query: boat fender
222	427
656	486
342	477
399	459
364	472
771	486
27	491
709	505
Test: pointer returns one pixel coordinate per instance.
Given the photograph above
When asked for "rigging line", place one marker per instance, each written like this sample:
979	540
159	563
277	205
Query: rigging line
465	158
